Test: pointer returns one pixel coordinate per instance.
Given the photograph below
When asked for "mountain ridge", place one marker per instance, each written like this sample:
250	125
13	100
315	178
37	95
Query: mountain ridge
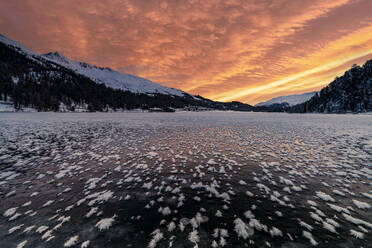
290	99
112	78
115	79
53	82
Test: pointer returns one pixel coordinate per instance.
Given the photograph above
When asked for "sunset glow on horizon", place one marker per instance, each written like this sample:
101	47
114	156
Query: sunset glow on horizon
244	50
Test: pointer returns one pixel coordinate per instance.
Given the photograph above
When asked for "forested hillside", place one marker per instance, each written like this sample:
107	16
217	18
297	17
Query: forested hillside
32	81
351	92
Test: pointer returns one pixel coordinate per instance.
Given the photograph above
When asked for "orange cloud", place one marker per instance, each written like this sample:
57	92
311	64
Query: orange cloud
239	93
223	49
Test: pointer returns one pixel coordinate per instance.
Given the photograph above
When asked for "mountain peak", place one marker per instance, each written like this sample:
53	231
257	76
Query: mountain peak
54	54
57	57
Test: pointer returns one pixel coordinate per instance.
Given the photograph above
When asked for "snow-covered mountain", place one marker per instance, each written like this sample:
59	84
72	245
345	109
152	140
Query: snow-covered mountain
111	78
107	76
290	99
52	82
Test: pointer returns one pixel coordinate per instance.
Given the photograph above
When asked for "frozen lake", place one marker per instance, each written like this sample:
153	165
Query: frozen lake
207	179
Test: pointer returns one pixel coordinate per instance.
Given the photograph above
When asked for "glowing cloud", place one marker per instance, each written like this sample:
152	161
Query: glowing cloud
222	49
239	93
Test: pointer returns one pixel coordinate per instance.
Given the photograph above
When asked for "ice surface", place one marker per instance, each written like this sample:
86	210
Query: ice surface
213	179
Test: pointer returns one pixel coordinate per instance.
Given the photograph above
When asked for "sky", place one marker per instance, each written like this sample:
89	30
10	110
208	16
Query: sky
245	50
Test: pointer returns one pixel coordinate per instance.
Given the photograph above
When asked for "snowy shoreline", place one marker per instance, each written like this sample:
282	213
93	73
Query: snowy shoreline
31	110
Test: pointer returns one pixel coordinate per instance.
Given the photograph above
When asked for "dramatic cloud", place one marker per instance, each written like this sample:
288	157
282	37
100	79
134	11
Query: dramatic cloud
245	50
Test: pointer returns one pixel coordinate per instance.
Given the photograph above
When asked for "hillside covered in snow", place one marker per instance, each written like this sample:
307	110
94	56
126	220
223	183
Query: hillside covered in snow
290	99
107	76
52	82
111	78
